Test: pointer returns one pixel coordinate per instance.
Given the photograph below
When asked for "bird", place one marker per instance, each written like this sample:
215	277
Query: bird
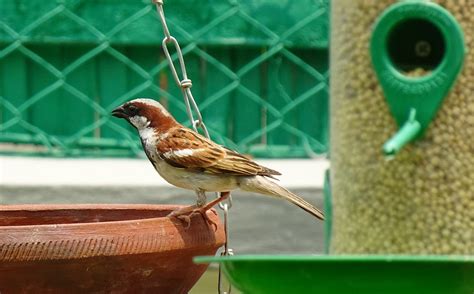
188	160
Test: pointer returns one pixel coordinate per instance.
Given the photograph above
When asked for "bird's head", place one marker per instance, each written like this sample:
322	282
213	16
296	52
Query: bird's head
144	113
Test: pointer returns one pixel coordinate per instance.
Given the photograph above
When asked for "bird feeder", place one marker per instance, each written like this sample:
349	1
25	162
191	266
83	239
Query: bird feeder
401	127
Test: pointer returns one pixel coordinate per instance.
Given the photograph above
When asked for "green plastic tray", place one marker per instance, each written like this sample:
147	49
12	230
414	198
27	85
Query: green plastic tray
353	274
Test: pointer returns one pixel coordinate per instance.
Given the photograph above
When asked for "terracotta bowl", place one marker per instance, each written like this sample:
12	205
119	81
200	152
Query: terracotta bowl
101	249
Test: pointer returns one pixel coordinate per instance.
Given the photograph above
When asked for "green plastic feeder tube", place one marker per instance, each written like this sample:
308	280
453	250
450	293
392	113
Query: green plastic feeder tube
408	36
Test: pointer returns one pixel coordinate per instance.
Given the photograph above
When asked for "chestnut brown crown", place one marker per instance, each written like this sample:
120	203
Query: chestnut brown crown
145	113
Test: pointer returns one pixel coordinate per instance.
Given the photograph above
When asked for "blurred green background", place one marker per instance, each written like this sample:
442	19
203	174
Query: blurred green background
259	70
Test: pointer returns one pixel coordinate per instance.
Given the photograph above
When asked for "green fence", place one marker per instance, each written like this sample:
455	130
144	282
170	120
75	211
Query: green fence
259	70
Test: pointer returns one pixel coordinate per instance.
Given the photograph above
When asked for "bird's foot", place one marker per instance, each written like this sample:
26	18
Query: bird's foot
186	213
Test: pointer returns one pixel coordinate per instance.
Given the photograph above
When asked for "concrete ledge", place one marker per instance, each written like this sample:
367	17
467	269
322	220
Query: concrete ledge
33	171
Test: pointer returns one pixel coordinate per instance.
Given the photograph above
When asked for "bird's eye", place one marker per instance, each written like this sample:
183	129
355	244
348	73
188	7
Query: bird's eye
132	110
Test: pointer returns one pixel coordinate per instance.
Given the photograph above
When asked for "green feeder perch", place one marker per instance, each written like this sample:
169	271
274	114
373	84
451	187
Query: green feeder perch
436	46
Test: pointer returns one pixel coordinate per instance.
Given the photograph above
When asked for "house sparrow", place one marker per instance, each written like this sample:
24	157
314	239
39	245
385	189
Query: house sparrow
188	160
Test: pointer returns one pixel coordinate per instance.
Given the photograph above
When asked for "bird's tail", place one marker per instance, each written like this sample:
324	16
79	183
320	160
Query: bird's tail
263	185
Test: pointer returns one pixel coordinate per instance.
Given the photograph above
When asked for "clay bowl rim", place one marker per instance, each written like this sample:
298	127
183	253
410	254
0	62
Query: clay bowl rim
66	239
101	206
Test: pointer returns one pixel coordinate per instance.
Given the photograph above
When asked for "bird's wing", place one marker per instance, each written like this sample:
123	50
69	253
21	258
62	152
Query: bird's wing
185	148
237	164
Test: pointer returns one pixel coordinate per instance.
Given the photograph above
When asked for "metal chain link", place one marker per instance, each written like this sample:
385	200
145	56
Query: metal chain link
185	84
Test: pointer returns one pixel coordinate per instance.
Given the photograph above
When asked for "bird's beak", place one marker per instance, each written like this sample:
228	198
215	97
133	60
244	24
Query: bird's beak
119	112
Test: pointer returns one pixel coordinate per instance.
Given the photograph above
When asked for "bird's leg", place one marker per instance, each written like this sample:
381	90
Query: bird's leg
185	214
201	198
223	196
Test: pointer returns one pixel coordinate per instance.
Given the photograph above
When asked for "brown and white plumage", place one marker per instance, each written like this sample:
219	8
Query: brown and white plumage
188	160
204	155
